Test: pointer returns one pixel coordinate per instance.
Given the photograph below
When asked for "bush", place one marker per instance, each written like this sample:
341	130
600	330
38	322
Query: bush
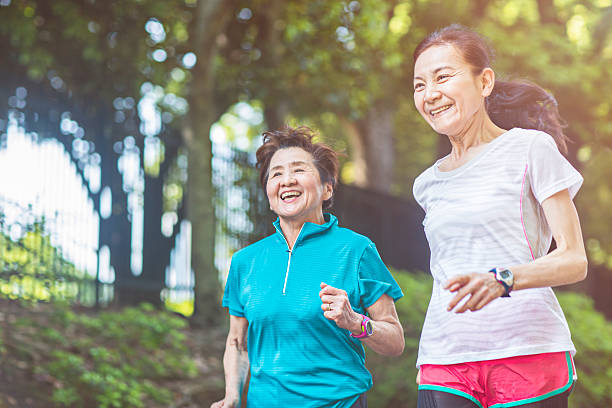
394	378
111	359
592	336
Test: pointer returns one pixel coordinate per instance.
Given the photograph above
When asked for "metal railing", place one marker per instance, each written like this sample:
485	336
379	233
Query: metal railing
39	261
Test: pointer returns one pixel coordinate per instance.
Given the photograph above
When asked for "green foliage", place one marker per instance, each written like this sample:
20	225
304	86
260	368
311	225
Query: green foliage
592	336
394	378
112	359
32	269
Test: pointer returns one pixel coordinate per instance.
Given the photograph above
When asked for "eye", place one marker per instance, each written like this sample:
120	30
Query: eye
276	174
442	77
299	170
419	87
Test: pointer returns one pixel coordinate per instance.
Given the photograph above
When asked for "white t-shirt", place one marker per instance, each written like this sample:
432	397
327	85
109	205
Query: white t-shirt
487	213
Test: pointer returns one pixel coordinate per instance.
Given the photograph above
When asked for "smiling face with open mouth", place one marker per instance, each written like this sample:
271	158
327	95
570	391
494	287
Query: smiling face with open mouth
294	186
446	91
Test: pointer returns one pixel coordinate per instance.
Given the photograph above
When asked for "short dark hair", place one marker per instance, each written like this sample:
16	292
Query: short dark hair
324	157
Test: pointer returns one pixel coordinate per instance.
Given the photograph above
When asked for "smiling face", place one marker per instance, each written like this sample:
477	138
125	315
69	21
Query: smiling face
447	93
294	186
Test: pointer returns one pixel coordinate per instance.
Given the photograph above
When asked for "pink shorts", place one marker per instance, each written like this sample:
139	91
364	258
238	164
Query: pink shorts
506	382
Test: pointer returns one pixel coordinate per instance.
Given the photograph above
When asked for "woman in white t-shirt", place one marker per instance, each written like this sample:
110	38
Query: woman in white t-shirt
494	334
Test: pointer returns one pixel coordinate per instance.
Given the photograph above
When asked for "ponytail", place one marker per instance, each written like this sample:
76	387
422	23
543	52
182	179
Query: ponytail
526	105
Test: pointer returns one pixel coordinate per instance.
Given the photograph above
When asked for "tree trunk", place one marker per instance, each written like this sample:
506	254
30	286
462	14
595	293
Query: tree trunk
547	11
210	19
270	41
371	140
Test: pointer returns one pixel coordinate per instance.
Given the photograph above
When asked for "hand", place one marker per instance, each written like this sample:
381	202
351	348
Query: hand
336	307
481	287
225	403
418	378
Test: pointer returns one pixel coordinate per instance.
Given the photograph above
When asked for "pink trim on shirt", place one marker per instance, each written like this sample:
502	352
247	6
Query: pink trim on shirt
522	219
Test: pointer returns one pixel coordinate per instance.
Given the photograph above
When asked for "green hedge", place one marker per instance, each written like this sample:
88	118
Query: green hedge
117	358
394	378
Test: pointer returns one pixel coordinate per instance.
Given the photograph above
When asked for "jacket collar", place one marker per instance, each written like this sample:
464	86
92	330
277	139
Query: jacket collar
309	229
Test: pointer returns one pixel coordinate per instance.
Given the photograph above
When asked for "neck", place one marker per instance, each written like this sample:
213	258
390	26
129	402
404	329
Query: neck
291	227
478	131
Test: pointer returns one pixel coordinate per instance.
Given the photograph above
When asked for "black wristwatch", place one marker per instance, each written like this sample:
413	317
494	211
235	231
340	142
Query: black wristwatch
505	277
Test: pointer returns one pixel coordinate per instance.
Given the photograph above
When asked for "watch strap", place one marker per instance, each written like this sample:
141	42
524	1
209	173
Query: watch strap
507	288
364	332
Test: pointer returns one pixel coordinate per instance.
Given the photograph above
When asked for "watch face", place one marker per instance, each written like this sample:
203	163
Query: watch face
506	276
369	328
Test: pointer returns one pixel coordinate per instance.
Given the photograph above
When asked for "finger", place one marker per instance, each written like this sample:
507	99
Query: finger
458	297
330	290
327	307
460	280
328	298
487	299
454	287
323	284
473	300
330	315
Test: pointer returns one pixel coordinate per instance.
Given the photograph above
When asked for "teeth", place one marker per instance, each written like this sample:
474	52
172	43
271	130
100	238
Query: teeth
436	111
290	194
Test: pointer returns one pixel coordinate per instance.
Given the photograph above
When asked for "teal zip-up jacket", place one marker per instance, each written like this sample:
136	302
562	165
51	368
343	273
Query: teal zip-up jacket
299	358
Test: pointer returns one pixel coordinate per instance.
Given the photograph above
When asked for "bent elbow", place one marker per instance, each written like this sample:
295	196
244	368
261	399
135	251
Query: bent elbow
399	347
583	268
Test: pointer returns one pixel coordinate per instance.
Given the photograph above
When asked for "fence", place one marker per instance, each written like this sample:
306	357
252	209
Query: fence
40	261
51	252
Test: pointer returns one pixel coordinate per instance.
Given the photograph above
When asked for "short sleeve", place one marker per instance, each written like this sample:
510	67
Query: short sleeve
231	295
375	279
549	171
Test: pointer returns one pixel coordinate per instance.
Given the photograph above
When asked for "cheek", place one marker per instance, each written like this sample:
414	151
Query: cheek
418	102
271	188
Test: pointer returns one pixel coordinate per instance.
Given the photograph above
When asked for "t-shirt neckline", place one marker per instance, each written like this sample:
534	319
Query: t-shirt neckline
451	173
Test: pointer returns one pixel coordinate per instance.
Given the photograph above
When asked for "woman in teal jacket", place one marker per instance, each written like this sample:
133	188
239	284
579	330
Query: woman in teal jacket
309	295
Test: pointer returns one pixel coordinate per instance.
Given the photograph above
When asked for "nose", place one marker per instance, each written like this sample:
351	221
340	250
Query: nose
432	94
287	179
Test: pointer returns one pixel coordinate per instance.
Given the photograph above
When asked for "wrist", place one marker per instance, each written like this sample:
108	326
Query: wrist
232	396
366	330
356	324
505	278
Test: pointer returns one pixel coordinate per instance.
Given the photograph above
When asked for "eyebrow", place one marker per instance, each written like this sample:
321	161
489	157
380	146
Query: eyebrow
292	164
436	70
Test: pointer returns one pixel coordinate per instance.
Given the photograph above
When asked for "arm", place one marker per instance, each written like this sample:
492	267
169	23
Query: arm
566	264
388	336
235	363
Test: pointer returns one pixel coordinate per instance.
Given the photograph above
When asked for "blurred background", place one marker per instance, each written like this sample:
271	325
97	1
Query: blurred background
127	139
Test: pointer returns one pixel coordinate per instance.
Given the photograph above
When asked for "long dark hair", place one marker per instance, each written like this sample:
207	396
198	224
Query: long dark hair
517	103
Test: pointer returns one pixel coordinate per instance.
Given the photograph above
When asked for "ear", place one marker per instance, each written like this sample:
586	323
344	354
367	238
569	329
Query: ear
487	78
329	191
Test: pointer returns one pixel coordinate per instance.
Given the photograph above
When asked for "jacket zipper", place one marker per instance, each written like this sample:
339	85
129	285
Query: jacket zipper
287	273
290	250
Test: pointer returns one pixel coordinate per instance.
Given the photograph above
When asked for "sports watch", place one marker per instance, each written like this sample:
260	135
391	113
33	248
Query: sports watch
367	329
505	277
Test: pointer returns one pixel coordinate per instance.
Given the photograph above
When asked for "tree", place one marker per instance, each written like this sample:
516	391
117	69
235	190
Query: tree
211	18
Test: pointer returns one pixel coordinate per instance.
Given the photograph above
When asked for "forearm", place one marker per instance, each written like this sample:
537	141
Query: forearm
387	339
236	366
568	262
562	266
